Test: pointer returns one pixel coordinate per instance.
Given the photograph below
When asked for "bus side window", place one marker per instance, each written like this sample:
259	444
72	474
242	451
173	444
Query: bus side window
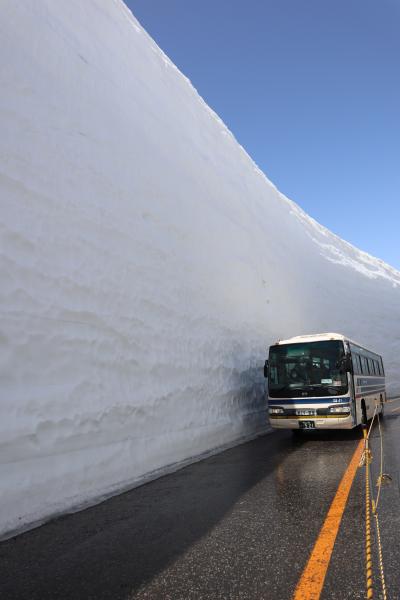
356	363
364	367
382	369
376	365
371	366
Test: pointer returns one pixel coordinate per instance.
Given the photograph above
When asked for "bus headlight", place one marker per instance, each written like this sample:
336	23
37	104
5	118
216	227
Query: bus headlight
344	410
276	411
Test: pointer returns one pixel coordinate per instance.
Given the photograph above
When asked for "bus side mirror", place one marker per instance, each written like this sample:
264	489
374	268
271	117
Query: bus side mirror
266	369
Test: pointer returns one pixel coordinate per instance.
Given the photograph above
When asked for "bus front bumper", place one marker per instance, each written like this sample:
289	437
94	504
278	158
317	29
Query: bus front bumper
323	422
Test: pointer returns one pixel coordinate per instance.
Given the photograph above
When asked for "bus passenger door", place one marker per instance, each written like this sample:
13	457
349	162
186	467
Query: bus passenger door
353	402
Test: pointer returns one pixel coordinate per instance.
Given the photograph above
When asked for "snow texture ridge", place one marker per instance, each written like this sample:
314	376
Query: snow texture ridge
146	265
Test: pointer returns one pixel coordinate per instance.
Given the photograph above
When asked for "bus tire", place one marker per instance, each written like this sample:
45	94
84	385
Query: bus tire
382	412
364	419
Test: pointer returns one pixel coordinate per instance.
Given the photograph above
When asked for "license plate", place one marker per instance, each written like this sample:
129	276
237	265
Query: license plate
306	424
306	412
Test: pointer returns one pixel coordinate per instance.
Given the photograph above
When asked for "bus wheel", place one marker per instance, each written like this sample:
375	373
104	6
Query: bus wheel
364	420
382	413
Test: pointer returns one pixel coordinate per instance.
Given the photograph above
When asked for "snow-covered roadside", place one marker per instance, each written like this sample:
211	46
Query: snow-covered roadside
146	264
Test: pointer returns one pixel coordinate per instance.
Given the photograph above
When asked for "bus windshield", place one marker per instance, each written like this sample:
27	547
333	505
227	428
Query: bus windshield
307	369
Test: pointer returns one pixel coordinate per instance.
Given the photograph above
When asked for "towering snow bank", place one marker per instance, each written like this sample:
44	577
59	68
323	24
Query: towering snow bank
146	264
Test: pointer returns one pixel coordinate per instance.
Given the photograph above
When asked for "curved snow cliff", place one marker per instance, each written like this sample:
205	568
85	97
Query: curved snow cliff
146	264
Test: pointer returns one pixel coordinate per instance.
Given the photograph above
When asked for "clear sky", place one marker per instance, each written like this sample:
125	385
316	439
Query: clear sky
311	89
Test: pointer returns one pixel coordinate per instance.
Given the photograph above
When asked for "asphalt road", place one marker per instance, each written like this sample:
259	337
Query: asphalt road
238	525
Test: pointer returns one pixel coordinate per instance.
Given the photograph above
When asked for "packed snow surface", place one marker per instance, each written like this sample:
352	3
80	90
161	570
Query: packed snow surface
146	265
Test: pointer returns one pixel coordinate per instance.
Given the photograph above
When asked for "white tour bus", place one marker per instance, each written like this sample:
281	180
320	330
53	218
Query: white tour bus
323	381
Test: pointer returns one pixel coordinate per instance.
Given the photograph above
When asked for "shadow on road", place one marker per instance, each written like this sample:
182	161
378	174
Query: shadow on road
331	435
110	550
113	549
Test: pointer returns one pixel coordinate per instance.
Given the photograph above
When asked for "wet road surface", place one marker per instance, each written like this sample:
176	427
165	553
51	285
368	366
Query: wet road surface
241	524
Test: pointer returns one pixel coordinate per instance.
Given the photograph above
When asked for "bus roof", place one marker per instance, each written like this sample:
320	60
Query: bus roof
319	337
315	337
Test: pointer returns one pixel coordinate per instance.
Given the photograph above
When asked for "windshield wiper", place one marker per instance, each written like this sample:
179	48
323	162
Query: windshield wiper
324	385
306	387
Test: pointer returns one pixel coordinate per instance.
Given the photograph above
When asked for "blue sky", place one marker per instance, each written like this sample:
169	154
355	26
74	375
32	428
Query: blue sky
311	89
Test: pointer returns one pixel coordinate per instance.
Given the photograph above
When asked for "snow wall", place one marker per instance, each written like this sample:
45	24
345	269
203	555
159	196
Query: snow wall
146	264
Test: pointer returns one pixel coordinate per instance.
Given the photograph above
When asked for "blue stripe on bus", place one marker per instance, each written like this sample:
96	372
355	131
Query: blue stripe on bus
364	394
370	388
325	400
370	381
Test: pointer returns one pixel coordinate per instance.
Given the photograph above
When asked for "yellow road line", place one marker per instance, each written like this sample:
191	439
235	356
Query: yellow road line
313	577
396	409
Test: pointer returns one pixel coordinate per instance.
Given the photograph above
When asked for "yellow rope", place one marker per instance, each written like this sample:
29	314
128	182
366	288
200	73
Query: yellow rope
380	478
378	535
371	502
368	552
375	512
